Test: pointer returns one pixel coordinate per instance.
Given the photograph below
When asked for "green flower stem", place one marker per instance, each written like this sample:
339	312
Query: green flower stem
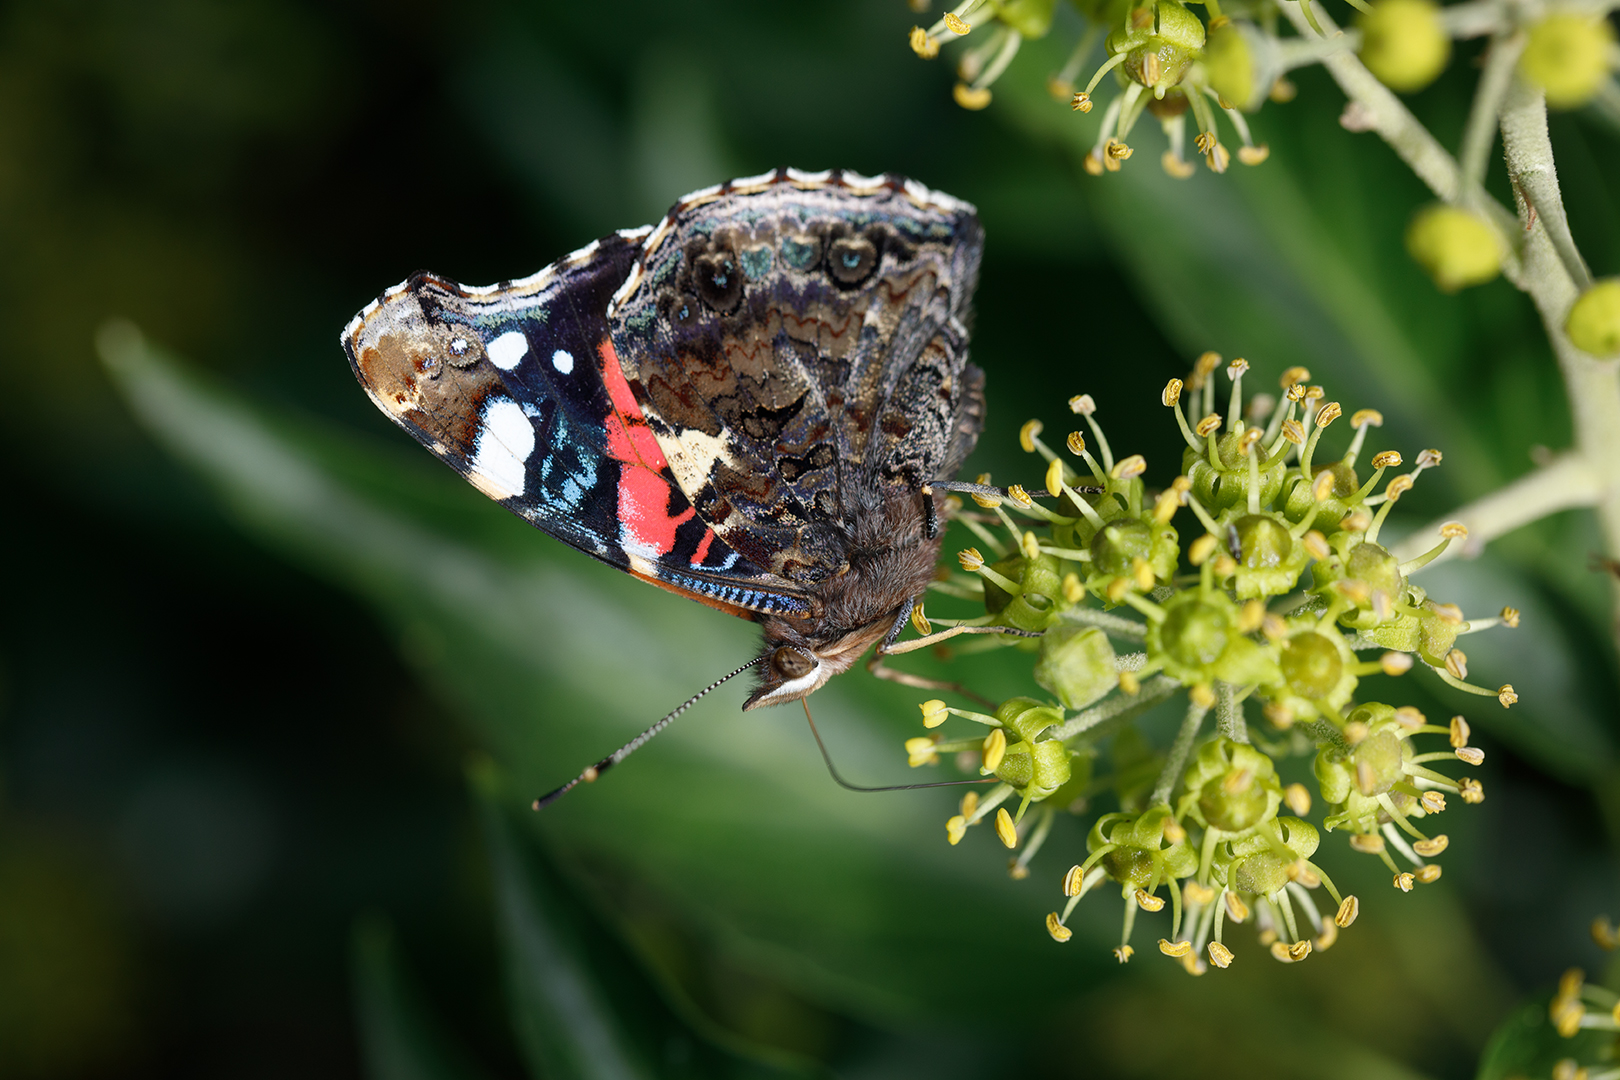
1129	629
1546	265
1493	87
1118	710
1177	761
1229	721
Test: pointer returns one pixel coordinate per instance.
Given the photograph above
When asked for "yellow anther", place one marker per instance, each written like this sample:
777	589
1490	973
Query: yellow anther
1172	393
970	558
1454	530
1430	848
1151	69
1072	589
972	98
1208	426
1129	468
970	803
1299	950
921	750
954	23
1175	948
1348	910
1124	953
1181	485
1027	434
1076	443
1387	459
1314	393
1202	695
1404	882
1224	565
1457	664
1470	755
1005	832
1433	802
1293	377
1116	590
1204	140
1293	432
1506	695
923	45
1395	663
1220	955
1081	102
1450	614
1367	844
1129	684
1236	909
1194	893
1366	778
1175	167
993	750
1322	486
1398	487
1142	573
1205	365
1019	497
1165	506
1236	368
1274	626
1355	521
1328	413
955	829
1251	615
1247	440
1055	927
1054	476
1148	902
1459	732
1173	832
933	713
1073	881
1470	791
1429	458
1083	404
919	621
1280	952
1409	718
1510	618
1604	936
1030	546
1016	869
1298	798
1368	417
1354	590
1201	549
1295	393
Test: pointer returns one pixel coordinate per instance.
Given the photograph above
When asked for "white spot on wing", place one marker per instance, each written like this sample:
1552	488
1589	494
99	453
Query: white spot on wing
507	350
504	443
799	176
563	361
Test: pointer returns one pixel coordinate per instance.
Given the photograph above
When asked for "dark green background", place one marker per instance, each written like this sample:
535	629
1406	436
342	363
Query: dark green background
256	642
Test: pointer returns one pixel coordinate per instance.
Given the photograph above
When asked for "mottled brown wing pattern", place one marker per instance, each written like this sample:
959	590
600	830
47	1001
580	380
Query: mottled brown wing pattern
800	346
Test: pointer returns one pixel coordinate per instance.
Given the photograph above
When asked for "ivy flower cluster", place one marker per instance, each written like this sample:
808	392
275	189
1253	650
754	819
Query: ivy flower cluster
1252	583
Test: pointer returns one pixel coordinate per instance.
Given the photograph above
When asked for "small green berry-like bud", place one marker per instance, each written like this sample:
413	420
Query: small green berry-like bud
1030	18
1594	320
1567	57
1118	543
1403	43
1311	664
1230	59
1076	664
1454	246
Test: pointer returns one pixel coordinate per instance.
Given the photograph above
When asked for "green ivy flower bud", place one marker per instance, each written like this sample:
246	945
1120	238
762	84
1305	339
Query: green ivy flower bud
1438	628
1302	496
1594	320
1198	641
1137	857
1567	56
1233	786
1242	64
1076	664
1025	718
1227	485
1119	543
1312	665
1158	53
1263	869
1037	769
1403	43
1269	561
1030	18
1455	247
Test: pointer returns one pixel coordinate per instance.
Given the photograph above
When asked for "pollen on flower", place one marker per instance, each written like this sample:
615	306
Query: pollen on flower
995	748
1172	393
1298	799
1208	426
1368	418
1506	695
1459	732
955	829
1220	955
1177	949
1472	755
955	24
972	98
1367	843
1387	459
1430	848
1433	802
1236	909
1124	953
933	713
1510	618
1470	791
970	558
923	45
1404	881
1395	663
1073	881
1055	927
1005	832
922	750
1148	902
1427	875
1457	663
1076	443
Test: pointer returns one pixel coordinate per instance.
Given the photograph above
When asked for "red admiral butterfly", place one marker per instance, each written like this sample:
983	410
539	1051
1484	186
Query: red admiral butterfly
746	404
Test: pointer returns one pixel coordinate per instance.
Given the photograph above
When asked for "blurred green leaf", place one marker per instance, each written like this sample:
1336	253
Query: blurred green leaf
1528	1045
400	1039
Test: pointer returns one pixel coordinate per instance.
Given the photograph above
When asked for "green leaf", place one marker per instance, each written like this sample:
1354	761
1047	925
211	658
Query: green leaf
400	1039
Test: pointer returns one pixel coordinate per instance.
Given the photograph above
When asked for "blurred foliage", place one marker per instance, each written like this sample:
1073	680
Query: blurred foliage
252	635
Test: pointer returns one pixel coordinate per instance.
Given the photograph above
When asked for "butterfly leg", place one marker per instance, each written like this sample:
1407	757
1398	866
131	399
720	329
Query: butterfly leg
918	682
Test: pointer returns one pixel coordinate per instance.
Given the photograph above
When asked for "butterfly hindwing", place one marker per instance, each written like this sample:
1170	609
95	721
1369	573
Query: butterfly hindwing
793	339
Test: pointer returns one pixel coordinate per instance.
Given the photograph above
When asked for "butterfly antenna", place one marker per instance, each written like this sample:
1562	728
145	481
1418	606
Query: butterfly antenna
841	782
591	773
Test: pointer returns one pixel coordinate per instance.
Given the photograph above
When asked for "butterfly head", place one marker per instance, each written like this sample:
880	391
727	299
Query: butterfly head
795	665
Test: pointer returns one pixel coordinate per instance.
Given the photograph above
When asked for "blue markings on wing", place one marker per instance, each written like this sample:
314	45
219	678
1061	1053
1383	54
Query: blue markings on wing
753	599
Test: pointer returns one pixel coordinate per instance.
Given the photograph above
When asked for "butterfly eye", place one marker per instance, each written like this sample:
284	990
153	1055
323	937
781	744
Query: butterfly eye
790	663
852	259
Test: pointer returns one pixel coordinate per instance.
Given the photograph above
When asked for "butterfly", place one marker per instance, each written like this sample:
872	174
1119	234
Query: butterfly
755	403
